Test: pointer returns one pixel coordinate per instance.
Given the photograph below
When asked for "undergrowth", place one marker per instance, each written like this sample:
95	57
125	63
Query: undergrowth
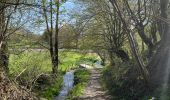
123	81
52	89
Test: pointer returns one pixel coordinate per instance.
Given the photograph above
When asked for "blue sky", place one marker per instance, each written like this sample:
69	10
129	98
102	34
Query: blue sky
68	6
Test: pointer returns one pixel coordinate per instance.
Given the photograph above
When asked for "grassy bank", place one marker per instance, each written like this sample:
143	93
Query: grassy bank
52	89
81	77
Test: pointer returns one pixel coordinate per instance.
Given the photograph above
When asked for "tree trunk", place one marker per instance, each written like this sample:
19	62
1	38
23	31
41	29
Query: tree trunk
53	36
159	66
3	43
55	48
146	40
4	58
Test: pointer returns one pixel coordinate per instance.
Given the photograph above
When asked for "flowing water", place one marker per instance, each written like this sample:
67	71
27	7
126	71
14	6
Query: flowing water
67	86
98	64
69	81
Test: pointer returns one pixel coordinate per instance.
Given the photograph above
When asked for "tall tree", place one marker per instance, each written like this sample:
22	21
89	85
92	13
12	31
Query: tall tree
160	63
52	8
3	57
57	3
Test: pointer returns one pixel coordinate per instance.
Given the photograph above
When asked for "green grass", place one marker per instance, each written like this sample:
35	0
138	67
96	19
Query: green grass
68	60
37	61
52	90
71	60
81	77
33	63
42	61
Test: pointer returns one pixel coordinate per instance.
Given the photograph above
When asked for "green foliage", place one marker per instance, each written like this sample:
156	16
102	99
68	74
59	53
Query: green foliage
77	91
71	60
68	60
68	37
81	77
35	63
123	81
45	37
53	89
42	62
89	60
31	61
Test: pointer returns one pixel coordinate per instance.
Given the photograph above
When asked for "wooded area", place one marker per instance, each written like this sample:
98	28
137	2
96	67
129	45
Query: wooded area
42	41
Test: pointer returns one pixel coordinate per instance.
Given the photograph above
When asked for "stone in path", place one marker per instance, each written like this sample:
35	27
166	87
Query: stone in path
94	90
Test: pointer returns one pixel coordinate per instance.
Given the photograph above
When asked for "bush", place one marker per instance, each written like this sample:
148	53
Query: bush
124	82
81	76
53	89
27	66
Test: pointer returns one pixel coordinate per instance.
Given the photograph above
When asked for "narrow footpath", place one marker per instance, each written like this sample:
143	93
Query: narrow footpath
94	89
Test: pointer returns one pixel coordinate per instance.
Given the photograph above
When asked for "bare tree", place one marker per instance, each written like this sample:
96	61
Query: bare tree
142	68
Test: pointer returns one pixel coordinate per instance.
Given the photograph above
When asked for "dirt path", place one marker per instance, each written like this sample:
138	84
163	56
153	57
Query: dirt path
94	90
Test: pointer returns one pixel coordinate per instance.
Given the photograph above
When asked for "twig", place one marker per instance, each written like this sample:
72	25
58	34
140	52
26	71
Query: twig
20	74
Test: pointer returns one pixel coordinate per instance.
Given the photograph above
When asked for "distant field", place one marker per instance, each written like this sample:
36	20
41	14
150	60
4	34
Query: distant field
40	61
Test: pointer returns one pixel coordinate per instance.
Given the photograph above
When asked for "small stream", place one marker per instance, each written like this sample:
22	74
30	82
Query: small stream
98	64
67	86
69	81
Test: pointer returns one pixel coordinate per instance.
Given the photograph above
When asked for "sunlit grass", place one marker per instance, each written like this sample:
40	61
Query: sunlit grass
28	60
81	77
52	90
42	61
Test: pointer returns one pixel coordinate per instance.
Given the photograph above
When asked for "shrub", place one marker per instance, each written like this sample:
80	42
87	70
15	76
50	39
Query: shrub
124	82
53	89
